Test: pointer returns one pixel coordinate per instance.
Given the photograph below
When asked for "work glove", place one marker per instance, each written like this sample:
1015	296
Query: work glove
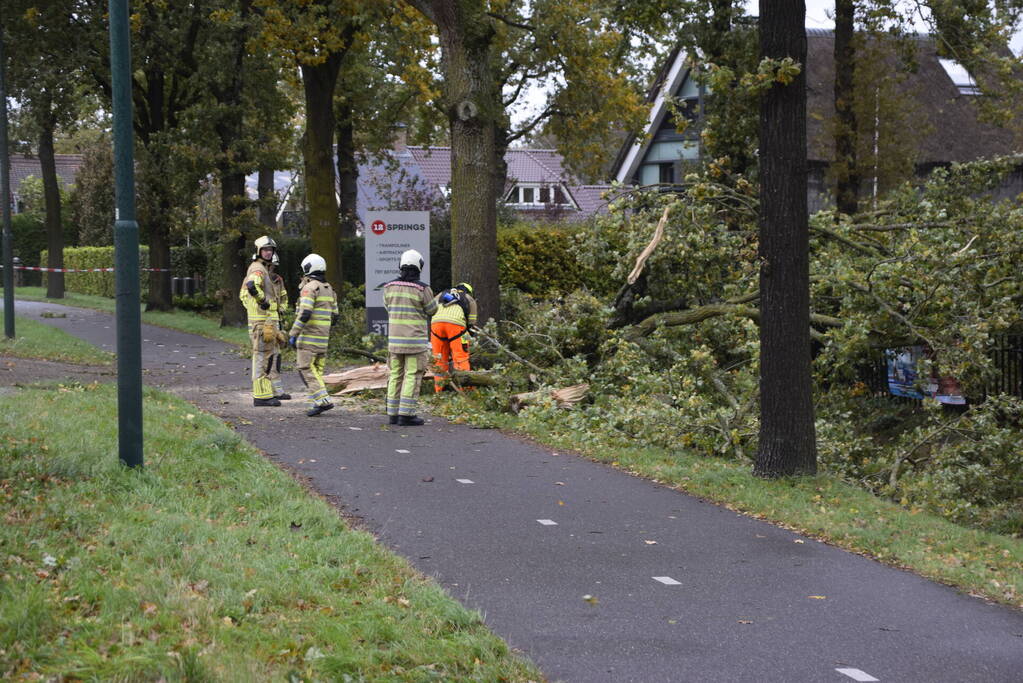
264	304
281	337
293	342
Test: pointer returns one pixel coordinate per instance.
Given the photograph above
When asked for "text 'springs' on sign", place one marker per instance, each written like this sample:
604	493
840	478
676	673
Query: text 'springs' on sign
388	235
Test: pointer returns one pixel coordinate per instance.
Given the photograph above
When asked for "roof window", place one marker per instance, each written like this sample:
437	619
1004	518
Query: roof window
961	78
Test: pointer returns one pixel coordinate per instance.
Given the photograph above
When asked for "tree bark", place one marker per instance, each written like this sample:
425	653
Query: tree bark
347	171
318	83
473	105
787	436
847	180
158	214
51	199
233	256
267	197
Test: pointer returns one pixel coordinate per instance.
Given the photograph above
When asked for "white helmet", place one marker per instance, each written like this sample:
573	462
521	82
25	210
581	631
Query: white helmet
412	258
262	243
276	260
313	263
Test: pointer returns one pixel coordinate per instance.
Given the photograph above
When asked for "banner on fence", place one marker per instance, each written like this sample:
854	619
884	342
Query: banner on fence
903	378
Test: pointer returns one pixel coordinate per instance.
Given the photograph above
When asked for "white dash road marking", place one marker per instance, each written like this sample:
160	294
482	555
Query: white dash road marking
465	481
401	450
356	429
857	675
547	522
667	580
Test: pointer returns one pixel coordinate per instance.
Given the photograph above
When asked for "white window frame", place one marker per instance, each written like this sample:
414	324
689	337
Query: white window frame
960	76
514	196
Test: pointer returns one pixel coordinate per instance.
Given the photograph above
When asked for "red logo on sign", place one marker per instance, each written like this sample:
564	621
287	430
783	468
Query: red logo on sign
378	227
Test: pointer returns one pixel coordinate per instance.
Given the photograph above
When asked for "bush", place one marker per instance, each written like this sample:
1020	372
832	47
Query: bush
199	303
97	284
538	260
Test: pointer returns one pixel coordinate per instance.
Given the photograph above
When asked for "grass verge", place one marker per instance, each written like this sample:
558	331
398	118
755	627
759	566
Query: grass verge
185	321
981	563
35	340
209	564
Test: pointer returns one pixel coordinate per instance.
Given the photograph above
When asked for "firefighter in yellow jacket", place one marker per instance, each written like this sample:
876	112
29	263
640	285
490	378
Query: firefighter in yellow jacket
278	307
315	313
258	294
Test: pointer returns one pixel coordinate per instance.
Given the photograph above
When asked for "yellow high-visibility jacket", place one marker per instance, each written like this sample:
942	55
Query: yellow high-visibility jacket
259	277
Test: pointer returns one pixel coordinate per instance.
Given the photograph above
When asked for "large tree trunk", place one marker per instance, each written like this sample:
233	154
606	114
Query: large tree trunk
54	226
473	105
847	179
787	437
318	82
267	197
347	171
158	227
232	206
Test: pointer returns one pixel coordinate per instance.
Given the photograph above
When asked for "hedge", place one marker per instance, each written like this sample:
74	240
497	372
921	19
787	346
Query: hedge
98	284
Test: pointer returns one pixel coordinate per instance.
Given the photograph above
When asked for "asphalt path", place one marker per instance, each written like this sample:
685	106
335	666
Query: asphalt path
595	574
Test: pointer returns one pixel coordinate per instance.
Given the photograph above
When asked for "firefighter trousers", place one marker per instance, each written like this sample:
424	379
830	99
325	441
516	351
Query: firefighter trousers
264	366
407	370
310	369
449	341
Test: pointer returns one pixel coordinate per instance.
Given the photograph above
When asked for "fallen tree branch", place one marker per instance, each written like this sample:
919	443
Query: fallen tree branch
645	254
360	352
508	351
696	315
565	397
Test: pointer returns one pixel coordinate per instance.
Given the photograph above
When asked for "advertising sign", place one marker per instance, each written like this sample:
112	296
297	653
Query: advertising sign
903	379
388	234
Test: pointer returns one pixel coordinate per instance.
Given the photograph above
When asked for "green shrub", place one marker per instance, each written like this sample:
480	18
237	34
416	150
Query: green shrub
541	259
98	284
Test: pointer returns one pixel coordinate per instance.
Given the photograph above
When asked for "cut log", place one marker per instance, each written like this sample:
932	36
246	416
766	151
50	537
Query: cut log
565	397
359	379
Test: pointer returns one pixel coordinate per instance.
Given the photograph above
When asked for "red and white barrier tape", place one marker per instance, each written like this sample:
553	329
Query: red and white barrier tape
84	270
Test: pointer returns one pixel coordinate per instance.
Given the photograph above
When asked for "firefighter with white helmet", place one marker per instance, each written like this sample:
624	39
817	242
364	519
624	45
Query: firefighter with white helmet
315	313
409	303
258	295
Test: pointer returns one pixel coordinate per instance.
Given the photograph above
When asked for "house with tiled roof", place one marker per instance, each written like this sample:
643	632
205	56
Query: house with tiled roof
538	184
23	165
942	95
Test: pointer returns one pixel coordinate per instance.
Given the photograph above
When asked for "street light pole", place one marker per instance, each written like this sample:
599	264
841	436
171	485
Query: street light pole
5	192
126	246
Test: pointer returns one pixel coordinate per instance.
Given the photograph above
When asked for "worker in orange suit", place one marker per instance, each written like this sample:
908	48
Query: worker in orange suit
449	332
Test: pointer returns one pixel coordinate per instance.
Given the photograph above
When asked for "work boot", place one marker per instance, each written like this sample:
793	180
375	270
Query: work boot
283	397
264	402
319	408
392	419
410	421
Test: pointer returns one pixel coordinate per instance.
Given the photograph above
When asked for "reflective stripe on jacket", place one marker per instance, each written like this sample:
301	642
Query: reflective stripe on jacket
455	312
317	298
409	306
260	277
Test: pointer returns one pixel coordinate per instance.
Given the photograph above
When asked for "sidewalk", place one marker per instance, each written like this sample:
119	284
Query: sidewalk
681	590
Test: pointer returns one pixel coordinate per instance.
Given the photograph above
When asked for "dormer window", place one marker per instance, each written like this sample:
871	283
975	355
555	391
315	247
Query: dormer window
535	196
961	78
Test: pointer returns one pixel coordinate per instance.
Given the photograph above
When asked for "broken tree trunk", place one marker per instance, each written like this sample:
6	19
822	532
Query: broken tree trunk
359	379
565	397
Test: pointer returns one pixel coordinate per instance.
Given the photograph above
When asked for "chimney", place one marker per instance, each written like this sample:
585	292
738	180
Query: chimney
400	138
